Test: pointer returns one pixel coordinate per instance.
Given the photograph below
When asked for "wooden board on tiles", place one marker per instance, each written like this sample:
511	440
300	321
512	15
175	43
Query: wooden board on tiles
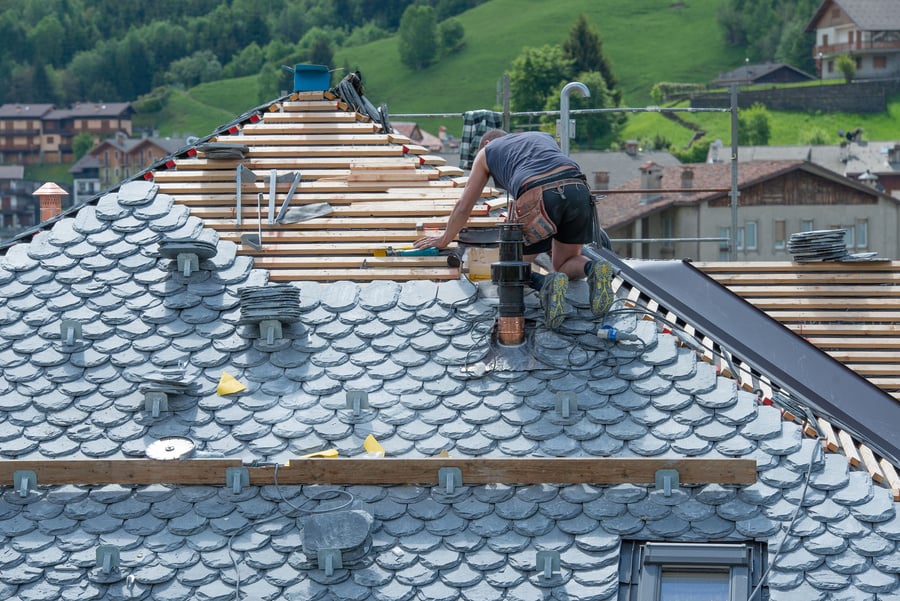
307	117
314	128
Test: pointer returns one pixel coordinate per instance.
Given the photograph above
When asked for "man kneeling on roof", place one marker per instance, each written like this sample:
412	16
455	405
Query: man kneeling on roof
553	204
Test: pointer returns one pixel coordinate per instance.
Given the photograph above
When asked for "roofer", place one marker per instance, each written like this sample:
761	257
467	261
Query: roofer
553	204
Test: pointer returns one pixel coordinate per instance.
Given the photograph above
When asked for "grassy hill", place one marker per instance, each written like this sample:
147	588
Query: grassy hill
646	41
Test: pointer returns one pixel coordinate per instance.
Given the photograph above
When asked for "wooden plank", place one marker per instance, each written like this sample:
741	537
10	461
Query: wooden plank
403	224
267	140
517	471
890	474
121	471
790	266
364	275
265	128
321	185
749	278
849	447
831	441
883	358
288	153
386	471
870	463
844	329
366	260
805	303
332	116
794	292
841	316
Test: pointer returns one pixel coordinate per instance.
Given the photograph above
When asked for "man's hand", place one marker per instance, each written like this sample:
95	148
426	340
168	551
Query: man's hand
429	241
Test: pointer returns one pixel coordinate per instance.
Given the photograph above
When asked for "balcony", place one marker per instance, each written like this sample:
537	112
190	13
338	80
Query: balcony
867	47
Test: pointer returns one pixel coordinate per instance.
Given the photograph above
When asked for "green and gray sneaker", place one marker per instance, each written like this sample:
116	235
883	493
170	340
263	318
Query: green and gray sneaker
600	287
553	299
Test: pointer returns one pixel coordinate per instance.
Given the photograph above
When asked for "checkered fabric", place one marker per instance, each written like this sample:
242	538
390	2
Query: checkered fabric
475	123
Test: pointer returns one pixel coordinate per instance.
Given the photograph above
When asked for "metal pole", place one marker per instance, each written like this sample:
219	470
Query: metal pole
734	173
564	111
506	106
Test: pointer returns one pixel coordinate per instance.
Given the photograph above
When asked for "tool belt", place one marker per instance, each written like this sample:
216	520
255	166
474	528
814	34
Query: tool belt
529	207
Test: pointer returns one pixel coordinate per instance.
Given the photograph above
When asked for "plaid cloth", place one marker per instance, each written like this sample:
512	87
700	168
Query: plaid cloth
475	123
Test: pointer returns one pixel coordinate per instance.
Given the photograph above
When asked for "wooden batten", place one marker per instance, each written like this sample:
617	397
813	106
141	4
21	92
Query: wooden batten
386	471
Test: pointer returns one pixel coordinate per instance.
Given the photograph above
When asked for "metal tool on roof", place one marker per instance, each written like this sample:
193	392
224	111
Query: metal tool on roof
287	199
243	174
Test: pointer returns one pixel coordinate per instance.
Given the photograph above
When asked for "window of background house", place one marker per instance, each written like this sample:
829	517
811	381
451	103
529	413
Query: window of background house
689	571
858	61
862	233
807	225
749	237
824	39
831	66
780	234
879	62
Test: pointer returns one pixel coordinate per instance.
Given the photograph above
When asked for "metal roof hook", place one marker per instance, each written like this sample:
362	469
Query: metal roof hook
564	94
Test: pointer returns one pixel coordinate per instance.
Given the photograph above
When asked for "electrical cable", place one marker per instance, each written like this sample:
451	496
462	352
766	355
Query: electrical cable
787	532
321	495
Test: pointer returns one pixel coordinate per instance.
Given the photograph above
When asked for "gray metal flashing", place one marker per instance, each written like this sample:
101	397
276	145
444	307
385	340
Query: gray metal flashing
826	385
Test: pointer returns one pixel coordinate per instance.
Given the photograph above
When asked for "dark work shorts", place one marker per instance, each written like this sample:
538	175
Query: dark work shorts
569	207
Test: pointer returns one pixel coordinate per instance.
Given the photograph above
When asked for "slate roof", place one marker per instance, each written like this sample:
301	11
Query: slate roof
850	160
91	109
868	15
422	350
621	166
621	208
751	73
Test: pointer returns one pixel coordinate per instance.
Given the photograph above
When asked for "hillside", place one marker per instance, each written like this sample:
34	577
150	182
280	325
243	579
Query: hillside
645	40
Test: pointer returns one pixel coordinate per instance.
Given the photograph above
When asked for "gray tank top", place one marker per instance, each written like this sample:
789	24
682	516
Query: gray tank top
514	158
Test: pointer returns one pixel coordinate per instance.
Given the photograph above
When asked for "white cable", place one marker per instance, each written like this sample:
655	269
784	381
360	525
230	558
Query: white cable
787	532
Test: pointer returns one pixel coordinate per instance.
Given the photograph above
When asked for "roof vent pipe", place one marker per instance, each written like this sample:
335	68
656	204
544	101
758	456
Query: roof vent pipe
510	275
564	111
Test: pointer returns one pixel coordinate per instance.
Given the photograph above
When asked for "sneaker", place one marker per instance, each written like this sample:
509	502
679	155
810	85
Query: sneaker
553	299
600	287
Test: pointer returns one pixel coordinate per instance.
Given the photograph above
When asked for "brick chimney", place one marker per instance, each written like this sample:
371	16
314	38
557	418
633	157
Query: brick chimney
631	147
601	180
651	179
50	198
687	178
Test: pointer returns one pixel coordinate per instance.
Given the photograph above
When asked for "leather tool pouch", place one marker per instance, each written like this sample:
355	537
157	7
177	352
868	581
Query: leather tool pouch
530	212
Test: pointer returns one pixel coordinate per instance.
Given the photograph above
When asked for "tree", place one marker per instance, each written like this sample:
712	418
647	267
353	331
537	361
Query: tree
248	62
534	75
197	68
586	51
418	37
753	126
847	67
81	144
450	36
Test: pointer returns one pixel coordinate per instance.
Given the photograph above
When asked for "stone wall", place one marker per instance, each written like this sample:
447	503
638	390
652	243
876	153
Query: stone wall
856	97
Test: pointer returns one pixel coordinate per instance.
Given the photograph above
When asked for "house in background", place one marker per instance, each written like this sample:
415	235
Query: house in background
771	73
60	126
867	30
176	369
18	207
873	163
412	131
121	156
21	129
85	179
777	199
610	169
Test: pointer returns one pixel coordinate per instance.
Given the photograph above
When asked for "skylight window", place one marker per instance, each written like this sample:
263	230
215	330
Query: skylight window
689	571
